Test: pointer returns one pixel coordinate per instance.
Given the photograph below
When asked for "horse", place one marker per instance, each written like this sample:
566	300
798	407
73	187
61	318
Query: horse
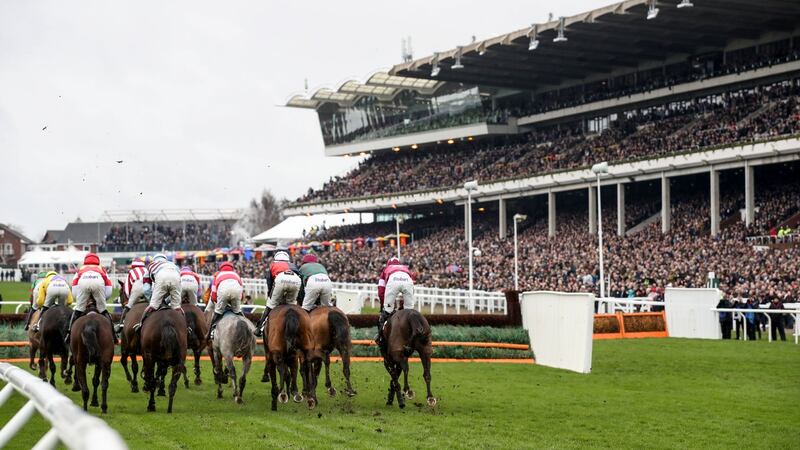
233	337
405	332
196	339
52	330
92	342
34	338
288	337
129	344
163	342
331	330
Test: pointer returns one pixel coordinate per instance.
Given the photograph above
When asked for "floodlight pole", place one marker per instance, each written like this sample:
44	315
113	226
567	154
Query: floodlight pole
517	219
470	186
598	170
397	221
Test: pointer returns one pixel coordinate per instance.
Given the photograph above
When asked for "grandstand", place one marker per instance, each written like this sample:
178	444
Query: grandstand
148	231
694	105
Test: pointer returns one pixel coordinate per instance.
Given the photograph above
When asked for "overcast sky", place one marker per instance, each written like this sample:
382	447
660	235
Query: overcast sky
186	94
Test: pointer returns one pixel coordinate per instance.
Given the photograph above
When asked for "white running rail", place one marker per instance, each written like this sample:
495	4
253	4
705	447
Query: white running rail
70	425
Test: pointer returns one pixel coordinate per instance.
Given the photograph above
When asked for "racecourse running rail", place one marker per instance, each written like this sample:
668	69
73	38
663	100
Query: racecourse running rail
70	425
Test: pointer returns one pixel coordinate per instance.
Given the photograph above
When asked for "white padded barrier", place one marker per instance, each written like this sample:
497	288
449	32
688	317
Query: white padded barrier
560	327
350	302
690	313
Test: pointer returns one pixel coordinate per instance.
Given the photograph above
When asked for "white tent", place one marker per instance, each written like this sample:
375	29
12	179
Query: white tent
41	260
291	229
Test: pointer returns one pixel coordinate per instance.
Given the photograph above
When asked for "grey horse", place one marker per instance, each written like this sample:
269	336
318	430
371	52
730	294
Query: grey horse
233	338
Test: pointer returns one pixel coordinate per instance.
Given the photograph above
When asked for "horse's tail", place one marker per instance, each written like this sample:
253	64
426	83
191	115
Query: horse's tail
89	337
291	328
420	333
339	328
169	342
244	338
191	325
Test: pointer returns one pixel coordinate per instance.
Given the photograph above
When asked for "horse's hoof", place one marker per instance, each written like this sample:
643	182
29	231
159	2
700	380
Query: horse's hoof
76	387
33	367
297	398
265	378
197	382
311	403
332	391
68	380
161	393
134	388
151	408
104	409
402	405
409	394
350	392
283	397
432	401
238	400
94	404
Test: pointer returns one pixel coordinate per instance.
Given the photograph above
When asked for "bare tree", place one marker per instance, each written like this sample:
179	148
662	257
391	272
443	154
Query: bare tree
262	214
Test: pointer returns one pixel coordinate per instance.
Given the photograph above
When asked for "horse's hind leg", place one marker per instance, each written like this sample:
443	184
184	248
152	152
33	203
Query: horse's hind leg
409	394
80	377
237	396
51	362
197	380
291	384
66	367
148	371
31	364
273	377
173	383
396	370
328	385
161	375
135	370
246	361
104	386
425	357
95	383
283	370
345	354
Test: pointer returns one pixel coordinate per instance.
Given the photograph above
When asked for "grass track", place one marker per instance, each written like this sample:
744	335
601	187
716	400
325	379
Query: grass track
655	393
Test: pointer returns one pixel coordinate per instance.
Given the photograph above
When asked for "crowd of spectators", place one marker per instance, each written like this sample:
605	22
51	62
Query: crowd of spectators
730	118
173	235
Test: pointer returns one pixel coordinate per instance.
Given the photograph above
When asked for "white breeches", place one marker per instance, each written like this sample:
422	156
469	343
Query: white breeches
285	290
229	294
57	291
189	288
90	287
167	287
318	287
399	283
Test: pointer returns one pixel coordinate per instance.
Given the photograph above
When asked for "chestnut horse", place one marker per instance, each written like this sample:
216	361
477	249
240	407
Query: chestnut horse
92	342
196	339
289	338
163	343
331	331
129	344
34	337
52	330
405	332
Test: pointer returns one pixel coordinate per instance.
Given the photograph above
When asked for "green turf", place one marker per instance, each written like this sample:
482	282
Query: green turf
19	291
649	393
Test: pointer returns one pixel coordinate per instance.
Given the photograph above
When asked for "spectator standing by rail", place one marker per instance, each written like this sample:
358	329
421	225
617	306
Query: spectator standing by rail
725	317
777	319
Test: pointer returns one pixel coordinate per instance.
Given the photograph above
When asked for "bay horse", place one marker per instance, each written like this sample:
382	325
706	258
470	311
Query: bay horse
289	339
52	330
163	342
34	339
129	344
331	331
196	338
406	332
233	338
92	342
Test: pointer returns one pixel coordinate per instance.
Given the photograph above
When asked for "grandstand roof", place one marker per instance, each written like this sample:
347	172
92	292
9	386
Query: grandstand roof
162	215
605	39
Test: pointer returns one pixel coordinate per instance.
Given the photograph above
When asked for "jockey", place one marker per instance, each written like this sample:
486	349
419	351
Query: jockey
315	283
283	285
90	283
162	282
34	292
133	288
191	286
227	291
53	288
395	279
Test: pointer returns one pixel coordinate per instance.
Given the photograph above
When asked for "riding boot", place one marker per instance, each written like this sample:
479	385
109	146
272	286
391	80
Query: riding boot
380	340
75	315
213	326
146	313
261	321
28	319
118	327
38	322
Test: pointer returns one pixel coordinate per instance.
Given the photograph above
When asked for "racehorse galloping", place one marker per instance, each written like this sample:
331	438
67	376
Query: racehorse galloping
196	339
34	338
407	331
233	338
129	344
331	331
163	341
52	330
288	337
92	342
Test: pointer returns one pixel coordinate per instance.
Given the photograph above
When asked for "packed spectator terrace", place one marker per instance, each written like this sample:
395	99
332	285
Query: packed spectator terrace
176	236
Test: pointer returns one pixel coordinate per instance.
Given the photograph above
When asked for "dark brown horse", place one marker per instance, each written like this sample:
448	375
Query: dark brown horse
163	342
52	330
288	339
92	342
129	344
34	338
196	339
407	332
331	331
